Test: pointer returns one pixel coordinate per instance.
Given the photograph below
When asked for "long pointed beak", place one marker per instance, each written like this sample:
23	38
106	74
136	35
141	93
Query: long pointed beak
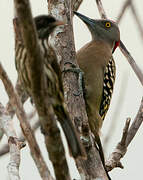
85	19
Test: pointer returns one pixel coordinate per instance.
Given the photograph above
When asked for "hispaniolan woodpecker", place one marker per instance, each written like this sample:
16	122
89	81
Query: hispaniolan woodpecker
44	26
95	60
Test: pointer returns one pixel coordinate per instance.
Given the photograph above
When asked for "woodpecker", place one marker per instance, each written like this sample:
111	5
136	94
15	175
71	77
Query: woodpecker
95	60
45	24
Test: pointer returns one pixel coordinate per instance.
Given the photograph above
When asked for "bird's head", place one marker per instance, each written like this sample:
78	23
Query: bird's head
45	24
102	30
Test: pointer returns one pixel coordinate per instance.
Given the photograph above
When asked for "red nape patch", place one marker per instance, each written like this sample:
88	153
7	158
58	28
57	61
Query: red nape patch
117	43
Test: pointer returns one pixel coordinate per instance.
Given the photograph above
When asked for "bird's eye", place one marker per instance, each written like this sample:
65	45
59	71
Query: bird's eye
108	24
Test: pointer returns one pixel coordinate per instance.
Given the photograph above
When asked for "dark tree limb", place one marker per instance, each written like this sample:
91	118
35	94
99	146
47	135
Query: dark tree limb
39	91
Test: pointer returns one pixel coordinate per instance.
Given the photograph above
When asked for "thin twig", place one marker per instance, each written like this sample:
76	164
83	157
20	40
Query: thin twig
128	135
126	4
134	11
13	142
135	124
101	10
11	112
132	62
16	103
120	150
125	132
5	148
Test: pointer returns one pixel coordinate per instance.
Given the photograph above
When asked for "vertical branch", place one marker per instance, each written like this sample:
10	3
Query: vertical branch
63	43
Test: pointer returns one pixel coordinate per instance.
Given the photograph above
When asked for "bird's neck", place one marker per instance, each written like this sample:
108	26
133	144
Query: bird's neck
94	54
103	40
98	49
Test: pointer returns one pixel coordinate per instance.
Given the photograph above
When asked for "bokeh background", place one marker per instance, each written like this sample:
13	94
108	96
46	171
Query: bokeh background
127	93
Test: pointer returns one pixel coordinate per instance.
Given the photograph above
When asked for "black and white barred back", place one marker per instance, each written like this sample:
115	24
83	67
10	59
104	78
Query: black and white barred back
109	80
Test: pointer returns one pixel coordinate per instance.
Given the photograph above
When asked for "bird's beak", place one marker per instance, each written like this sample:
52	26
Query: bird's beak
85	19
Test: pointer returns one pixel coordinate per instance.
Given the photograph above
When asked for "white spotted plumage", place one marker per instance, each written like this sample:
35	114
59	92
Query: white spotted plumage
109	79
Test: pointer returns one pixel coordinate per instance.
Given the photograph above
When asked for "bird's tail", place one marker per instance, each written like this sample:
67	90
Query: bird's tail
100	149
75	147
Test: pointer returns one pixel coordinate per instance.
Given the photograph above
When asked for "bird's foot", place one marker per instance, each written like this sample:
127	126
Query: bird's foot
80	73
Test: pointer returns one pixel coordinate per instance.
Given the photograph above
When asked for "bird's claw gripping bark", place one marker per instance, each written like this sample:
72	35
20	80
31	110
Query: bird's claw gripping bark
80	73
80	82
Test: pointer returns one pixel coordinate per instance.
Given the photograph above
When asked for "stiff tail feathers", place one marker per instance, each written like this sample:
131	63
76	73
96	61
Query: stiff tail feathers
72	137
100	149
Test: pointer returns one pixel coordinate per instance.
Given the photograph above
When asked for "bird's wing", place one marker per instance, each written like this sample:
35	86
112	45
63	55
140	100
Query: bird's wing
109	79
